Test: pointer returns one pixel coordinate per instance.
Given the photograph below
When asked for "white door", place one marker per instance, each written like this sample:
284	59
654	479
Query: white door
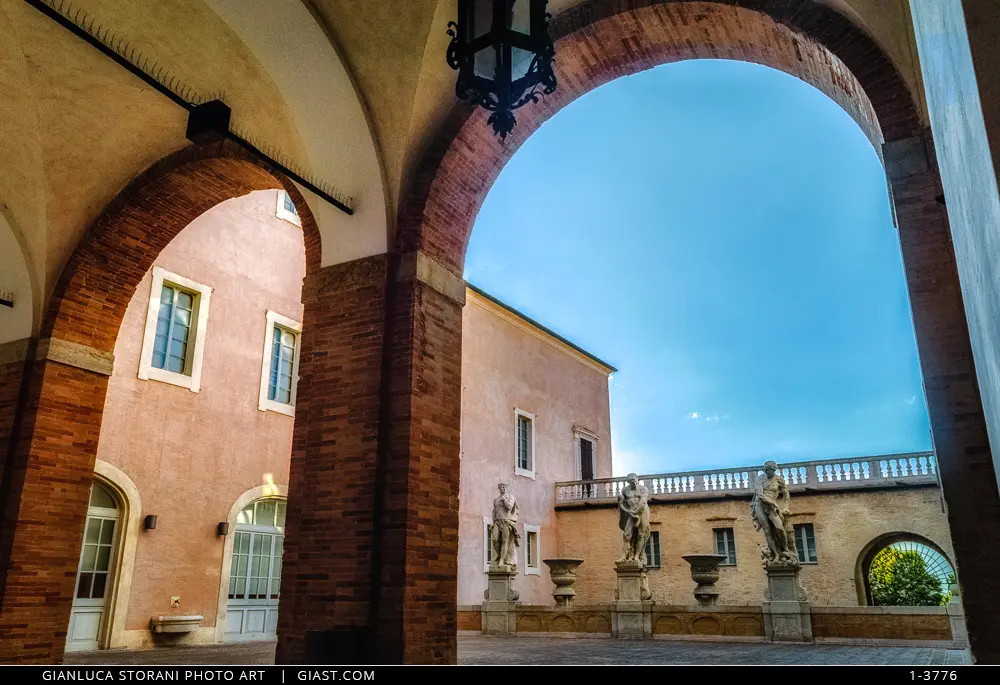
255	574
93	576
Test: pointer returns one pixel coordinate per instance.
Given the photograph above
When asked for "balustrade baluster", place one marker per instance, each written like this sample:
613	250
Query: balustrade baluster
932	464
865	470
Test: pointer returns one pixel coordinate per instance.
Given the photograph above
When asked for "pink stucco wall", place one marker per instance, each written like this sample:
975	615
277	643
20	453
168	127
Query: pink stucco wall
506	368
191	455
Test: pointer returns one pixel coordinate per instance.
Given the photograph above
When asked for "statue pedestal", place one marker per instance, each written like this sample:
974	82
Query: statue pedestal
787	614
499	613
632	610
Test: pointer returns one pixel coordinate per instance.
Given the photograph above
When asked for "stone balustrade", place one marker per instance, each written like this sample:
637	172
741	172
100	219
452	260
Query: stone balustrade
916	468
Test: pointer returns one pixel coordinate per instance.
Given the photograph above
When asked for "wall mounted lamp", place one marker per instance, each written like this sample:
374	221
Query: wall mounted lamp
150	522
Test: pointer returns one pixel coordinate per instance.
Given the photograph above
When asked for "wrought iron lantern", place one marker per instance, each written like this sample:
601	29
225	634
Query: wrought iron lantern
503	54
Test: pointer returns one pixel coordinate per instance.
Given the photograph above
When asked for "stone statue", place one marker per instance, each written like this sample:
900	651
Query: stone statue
633	519
769	510
504	539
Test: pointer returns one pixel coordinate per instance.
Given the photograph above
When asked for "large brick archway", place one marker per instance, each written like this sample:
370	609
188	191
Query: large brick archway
596	43
50	463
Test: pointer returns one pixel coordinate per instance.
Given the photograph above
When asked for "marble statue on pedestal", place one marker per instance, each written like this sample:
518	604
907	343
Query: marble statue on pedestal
769	510
633	519
504	538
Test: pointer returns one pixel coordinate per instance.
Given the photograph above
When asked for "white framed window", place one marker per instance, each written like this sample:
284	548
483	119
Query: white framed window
286	209
173	344
279	371
653	550
585	447
725	545
532	550
487	522
524	444
805	542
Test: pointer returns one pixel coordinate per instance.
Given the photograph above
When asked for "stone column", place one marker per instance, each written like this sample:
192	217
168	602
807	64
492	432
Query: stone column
632	610
501	600
787	614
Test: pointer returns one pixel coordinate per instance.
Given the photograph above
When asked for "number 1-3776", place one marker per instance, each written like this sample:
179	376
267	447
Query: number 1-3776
933	675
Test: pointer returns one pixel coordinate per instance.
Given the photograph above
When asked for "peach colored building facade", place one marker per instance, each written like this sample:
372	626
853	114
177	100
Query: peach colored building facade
515	370
195	446
190	455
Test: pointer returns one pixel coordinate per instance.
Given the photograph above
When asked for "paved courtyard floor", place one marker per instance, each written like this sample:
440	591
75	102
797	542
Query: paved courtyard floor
479	650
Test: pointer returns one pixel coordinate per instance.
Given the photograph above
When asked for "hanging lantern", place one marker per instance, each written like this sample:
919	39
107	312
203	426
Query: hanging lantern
503	54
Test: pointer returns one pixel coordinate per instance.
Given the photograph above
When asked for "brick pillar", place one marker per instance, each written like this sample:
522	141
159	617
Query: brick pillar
13	358
954	405
416	619
371	551
45	492
327	566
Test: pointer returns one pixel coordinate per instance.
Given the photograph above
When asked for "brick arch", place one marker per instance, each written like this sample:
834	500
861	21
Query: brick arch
121	245
595	43
602	40
50	465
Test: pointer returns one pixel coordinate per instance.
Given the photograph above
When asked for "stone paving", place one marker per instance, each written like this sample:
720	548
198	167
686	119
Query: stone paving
476	649
479	650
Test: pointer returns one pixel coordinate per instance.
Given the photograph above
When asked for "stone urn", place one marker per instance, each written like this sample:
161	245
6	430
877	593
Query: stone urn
705	572
563	574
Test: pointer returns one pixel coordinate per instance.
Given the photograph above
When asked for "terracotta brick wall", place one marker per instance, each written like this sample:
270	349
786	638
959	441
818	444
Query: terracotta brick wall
883	623
10	389
327	566
49	481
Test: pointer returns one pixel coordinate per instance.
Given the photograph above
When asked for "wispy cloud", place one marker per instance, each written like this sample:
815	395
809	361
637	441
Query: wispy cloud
711	417
912	400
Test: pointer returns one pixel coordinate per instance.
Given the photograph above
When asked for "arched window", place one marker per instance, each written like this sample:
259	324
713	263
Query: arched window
255	571
906	571
93	576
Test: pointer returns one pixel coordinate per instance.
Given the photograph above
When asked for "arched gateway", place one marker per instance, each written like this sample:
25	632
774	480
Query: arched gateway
372	521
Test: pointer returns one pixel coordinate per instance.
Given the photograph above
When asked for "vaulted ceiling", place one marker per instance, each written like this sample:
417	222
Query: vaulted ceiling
350	90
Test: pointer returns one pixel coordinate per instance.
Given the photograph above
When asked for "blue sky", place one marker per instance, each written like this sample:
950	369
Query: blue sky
721	232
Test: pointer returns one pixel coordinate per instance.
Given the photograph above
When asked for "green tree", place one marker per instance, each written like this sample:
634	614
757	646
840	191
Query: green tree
899	578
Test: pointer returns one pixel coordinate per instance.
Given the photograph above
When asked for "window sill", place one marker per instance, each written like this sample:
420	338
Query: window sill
809	563
277	407
522	472
727	565
532	572
169	377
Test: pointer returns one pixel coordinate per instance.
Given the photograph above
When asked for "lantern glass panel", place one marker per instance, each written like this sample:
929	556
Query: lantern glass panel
485	63
520	62
482	19
521	19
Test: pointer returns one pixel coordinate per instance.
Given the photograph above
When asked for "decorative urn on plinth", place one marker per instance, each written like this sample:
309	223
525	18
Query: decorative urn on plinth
705	572
563	574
